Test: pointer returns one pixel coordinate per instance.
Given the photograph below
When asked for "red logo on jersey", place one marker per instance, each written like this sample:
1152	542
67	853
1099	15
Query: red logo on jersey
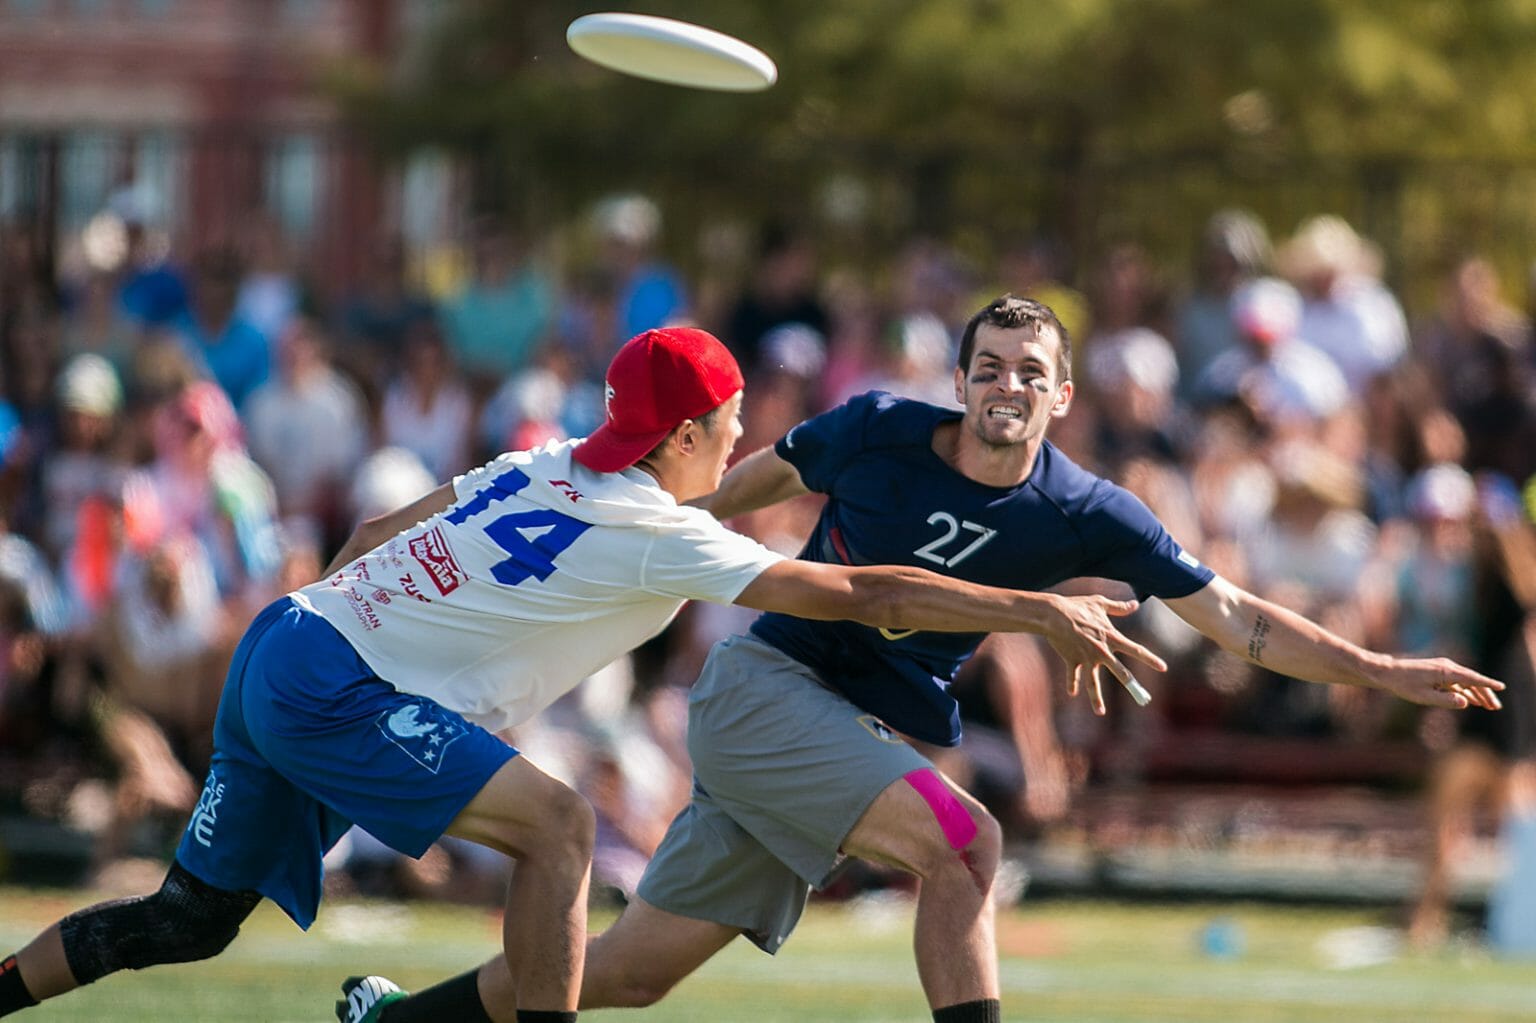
431	550
567	488
409	586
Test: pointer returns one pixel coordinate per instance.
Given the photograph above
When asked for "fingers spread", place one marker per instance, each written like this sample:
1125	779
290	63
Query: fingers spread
1108	661
1141	653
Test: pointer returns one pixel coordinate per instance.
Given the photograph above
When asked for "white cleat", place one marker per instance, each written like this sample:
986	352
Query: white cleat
364	998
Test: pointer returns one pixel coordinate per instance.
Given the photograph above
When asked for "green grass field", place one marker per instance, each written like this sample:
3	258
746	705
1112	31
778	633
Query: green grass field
1062	962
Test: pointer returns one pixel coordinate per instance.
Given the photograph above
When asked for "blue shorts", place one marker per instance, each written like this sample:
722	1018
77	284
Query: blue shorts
309	741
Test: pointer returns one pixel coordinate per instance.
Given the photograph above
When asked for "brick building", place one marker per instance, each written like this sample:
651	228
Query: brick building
196	115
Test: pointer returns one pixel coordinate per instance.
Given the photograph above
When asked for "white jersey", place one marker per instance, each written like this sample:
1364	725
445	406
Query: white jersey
540	573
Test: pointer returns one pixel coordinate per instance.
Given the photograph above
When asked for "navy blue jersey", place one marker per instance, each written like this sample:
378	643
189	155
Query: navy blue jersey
891	500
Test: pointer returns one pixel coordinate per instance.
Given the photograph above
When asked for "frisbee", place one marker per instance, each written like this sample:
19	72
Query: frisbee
676	52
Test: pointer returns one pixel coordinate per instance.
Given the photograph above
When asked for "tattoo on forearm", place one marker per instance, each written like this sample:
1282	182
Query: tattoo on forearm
1258	638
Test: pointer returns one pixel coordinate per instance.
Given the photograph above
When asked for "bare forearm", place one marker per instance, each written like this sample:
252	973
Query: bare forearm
757	481
903	600
1268	634
372	532
1264	633
899	599
1284	641
364	538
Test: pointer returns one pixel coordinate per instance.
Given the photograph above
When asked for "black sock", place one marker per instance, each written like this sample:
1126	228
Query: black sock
14	995
986	1010
544	1016
456	999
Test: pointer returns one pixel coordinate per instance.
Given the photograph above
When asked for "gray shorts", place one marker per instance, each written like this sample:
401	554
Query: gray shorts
783	770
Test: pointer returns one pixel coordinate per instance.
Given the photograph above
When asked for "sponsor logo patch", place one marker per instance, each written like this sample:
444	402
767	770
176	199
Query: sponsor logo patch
412	590
422	731
874	726
432	551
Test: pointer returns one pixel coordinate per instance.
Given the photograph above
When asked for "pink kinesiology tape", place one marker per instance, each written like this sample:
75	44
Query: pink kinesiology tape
953	817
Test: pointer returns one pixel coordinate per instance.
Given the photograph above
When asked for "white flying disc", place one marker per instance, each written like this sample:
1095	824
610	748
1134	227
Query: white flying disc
676	52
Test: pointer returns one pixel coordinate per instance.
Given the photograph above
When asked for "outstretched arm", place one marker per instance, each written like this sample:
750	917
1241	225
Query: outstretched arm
1265	633
372	532
900	598
757	481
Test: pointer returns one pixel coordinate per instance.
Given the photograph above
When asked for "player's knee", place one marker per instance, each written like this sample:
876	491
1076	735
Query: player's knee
564	826
985	850
574	823
982	845
956	837
972	865
199	940
185	921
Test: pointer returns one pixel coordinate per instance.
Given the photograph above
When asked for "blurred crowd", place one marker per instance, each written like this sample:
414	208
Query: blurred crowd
184	436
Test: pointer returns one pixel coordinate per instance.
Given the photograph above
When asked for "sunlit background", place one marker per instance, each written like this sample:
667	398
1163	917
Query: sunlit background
271	266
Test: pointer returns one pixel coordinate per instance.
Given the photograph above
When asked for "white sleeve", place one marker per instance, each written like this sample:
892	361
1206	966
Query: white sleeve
702	560
464	486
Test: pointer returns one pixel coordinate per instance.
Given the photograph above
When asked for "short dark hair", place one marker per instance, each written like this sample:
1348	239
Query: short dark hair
1011	312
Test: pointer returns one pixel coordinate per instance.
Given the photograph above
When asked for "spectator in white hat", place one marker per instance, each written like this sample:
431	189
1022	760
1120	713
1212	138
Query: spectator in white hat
1277	376
1347	311
84	467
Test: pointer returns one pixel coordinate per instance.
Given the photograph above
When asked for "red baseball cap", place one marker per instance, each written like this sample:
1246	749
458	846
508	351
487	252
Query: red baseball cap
658	379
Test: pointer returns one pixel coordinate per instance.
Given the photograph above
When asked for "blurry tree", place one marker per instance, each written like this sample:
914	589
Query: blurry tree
1083	117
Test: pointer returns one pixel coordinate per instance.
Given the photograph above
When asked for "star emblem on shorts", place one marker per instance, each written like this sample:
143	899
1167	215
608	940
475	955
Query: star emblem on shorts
422	730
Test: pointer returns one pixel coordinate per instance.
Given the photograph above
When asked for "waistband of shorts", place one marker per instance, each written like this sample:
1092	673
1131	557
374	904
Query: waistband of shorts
810	673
